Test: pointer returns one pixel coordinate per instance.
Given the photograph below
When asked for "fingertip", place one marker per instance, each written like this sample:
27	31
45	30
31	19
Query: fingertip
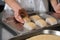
22	21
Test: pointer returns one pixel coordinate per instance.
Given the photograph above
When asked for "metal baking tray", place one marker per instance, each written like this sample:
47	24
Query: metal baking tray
34	33
8	14
14	29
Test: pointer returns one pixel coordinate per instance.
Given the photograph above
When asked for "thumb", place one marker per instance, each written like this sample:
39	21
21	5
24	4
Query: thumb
19	19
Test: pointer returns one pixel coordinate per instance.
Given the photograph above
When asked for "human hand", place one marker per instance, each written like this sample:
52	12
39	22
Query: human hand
18	15
56	15
57	8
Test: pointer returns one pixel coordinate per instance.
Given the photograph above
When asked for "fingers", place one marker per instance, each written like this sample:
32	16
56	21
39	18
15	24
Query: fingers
18	18
59	4
58	12
56	15
22	11
20	14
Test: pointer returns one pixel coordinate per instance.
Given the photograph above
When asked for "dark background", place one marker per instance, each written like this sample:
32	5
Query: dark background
2	4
